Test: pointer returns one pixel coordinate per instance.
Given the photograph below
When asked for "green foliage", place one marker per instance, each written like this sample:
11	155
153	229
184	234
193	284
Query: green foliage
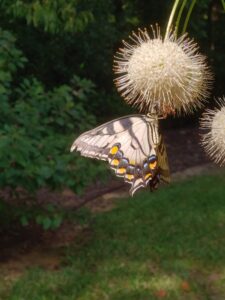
37	128
55	54
48	217
52	15
11	59
34	143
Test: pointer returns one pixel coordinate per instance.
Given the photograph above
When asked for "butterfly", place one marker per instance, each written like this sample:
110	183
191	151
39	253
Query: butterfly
133	148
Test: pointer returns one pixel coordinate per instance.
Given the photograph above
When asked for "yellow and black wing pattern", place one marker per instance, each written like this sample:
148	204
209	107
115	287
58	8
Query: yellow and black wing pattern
133	148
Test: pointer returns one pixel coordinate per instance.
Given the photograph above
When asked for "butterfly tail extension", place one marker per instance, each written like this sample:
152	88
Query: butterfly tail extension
136	185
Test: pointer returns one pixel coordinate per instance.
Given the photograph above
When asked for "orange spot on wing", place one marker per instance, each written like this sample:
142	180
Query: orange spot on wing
153	165
114	150
148	175
129	176
121	171
115	162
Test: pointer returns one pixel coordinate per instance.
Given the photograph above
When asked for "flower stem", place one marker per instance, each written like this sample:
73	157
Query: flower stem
223	3
175	5
188	16
180	14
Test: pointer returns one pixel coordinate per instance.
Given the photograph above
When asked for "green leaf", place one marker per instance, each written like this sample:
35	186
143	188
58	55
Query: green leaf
24	220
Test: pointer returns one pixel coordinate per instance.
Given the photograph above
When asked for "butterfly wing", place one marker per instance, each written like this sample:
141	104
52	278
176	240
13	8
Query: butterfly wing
129	144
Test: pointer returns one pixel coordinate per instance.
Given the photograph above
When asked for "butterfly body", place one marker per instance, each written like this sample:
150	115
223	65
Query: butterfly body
133	148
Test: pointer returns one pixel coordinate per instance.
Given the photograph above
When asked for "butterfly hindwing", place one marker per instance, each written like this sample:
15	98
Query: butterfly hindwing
130	145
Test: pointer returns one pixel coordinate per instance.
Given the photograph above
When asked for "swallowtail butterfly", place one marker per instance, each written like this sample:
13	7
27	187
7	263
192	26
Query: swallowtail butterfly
133	148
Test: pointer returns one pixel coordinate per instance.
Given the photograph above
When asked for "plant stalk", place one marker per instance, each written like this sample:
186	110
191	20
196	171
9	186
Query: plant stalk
188	16
180	14
223	3
175	5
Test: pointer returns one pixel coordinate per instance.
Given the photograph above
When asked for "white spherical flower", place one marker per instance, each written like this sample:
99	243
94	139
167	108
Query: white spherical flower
214	140
169	74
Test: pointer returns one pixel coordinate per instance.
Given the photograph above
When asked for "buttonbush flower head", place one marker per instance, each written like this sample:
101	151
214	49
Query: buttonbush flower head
164	74
214	139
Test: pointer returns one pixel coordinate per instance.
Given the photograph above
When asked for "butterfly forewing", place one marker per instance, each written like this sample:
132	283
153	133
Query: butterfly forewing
130	144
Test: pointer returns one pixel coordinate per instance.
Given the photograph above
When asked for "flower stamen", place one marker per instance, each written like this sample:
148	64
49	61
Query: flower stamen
167	73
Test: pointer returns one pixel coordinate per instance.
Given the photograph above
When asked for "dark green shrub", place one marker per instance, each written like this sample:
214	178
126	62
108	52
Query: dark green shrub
38	126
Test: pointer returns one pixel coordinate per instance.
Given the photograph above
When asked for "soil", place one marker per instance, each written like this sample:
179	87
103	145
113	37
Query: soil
23	247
